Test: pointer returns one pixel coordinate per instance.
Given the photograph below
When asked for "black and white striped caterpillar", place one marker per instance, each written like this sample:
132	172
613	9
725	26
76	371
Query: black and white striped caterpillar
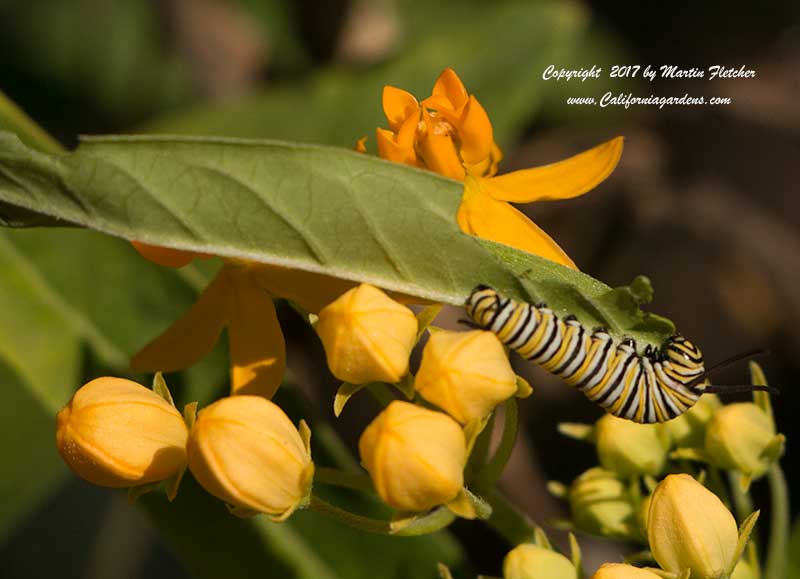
654	386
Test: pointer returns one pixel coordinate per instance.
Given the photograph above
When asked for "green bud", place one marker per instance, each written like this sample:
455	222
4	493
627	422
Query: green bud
688	527
529	561
629	448
689	429
601	504
742	437
745	570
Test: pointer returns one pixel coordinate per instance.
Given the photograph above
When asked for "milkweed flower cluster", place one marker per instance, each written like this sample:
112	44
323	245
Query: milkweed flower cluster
415	455
685	519
651	484
690	533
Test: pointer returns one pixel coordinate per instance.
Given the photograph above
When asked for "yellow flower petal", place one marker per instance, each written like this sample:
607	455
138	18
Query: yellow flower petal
450	87
439	152
257	348
165	256
390	150
481	215
398	105
441	157
193	336
407	132
563	180
361	145
476	132
311	291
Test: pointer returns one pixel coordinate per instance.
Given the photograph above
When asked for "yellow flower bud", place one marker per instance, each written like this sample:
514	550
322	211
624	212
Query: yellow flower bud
623	571
466	374
629	448
367	336
601	504
689	429
117	433
415	456
745	570
529	561
738	437
245	451
688	527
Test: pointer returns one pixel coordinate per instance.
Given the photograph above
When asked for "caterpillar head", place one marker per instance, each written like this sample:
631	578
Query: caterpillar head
685	355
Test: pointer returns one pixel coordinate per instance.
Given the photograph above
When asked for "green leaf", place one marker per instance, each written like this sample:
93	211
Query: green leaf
337	106
33	467
293	205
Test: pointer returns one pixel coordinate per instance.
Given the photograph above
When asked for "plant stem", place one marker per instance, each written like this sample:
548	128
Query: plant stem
778	551
348	480
381	393
494	468
513	525
352	520
480	453
14	119
432	522
742	502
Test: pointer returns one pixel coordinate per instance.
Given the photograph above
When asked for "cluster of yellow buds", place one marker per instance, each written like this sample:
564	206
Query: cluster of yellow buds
687	527
241	449
690	533
415	455
245	450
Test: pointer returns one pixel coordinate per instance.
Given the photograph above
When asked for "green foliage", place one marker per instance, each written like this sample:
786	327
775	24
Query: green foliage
336	106
307	546
110	54
290	204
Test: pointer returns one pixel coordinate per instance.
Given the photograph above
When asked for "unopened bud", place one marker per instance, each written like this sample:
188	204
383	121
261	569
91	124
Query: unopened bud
689	429
629	448
117	433
245	451
367	336
466	374
601	504
688	527
745	570
623	571
415	456
742	437
528	561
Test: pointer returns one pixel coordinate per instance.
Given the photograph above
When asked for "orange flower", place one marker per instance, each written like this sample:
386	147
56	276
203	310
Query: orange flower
165	256
450	133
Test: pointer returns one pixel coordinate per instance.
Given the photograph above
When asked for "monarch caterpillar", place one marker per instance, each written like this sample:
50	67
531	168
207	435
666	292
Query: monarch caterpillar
654	386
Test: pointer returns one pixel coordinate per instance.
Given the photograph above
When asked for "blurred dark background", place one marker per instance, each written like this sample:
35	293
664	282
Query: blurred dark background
705	202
